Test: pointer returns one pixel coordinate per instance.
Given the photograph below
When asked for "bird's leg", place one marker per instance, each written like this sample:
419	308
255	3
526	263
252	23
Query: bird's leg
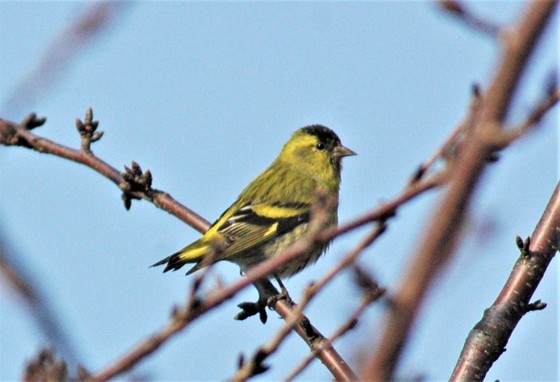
283	295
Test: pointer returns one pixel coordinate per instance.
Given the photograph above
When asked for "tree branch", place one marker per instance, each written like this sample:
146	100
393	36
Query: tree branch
296	318
18	279
487	340
457	8
480	144
137	185
12	134
371	293
73	40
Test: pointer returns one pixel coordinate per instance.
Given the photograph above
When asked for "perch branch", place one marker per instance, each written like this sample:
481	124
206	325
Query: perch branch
371	293
137	185
296	317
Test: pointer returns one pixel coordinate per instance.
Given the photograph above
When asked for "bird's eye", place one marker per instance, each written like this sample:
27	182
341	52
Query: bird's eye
320	146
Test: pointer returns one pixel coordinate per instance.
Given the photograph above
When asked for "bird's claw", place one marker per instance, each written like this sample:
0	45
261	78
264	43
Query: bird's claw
268	297
249	309
272	300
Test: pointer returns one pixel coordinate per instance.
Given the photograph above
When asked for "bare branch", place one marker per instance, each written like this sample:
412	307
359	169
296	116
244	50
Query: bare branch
372	292
17	278
458	9
537	114
295	317
12	134
437	244
76	38
488	338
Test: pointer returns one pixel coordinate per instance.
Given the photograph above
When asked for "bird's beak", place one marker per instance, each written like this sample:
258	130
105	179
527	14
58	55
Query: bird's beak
341	151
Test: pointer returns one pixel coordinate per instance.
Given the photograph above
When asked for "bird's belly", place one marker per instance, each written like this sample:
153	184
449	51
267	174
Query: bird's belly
275	247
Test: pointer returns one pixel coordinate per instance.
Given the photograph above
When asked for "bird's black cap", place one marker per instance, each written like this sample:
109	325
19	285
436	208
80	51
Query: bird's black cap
325	135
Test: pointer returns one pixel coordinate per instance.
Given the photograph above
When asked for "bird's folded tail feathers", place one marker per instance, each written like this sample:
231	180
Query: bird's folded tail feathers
193	253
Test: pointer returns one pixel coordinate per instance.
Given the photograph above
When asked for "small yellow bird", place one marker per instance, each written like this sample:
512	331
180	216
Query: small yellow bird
273	212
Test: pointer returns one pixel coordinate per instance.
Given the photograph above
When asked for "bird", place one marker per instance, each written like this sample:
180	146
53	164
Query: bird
274	210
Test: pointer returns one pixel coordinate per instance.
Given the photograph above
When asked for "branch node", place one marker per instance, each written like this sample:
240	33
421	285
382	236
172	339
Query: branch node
367	284
240	360
418	174
32	121
476	91
310	331
45	367
87	130
175	310
136	185
83	373
537	305
259	366
523	245
493	157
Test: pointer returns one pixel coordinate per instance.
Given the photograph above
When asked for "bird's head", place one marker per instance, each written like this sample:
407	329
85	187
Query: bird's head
316	150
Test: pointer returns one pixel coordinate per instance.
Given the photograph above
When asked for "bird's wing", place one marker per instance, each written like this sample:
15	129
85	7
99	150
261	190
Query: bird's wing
254	224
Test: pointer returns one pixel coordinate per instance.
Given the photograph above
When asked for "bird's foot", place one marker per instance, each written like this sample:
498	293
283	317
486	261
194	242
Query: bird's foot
268	297
249	309
283	295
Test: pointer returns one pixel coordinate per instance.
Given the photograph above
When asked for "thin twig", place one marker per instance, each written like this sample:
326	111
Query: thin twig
76	38
538	113
13	134
18	279
477	23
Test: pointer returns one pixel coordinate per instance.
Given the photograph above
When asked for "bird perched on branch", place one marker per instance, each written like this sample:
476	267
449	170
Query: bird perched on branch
274	211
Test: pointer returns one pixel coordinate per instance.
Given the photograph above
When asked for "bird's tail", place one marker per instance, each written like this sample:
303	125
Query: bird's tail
192	253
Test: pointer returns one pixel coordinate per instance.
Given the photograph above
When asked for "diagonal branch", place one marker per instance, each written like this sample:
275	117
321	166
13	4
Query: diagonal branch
76	38
296	318
137	185
443	233
488	338
12	134
18	279
458	9
371	293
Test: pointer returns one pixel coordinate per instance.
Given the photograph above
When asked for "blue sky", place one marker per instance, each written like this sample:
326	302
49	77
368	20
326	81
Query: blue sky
205	95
